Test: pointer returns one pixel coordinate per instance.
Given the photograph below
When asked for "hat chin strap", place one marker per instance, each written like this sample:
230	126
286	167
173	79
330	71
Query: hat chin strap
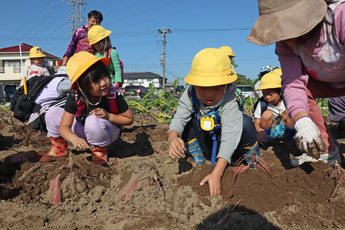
278	98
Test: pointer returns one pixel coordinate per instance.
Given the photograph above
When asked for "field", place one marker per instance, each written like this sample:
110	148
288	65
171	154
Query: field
143	189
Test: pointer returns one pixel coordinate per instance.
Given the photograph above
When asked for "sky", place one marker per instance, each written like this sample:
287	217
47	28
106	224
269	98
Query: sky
194	25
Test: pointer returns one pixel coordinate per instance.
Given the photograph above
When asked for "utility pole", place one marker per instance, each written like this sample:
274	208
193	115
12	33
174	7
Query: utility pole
77	19
164	32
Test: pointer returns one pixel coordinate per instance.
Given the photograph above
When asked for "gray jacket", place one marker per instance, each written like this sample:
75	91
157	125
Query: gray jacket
231	119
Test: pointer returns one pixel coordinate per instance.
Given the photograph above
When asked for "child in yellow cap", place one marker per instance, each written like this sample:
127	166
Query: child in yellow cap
93	112
209	120
101	45
36	68
270	117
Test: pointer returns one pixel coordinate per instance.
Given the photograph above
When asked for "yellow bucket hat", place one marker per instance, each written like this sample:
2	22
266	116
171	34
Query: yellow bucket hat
285	19
36	52
211	67
97	33
228	50
271	80
81	62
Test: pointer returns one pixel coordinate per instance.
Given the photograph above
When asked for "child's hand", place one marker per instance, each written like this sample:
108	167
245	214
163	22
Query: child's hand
261	135
213	182
80	143
101	113
176	147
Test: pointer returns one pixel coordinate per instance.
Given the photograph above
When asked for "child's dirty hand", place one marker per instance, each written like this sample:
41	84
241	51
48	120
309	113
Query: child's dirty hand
261	135
101	113
80	144
176	147
213	183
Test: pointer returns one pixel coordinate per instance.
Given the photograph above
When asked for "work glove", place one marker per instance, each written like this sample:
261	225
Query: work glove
308	137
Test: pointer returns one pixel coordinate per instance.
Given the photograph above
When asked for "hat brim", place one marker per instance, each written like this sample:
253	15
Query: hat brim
208	80
291	22
86	66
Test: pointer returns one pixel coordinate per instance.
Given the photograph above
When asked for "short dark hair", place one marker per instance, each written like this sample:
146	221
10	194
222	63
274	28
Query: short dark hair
96	14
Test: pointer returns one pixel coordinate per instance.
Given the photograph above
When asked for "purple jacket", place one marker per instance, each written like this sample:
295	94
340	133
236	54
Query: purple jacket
323	58
79	42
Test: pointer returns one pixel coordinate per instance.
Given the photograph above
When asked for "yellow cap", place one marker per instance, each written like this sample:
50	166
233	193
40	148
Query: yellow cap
81	62
36	52
271	80
97	33
211	67
228	51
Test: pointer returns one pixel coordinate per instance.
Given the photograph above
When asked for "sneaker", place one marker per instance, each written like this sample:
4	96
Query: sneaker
329	158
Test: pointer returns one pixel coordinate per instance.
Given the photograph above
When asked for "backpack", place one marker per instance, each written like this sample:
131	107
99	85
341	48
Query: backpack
22	104
107	54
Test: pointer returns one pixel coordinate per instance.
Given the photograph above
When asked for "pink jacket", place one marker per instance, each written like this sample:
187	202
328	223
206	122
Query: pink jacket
323	59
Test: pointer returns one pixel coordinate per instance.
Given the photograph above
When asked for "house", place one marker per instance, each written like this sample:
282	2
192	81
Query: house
143	78
10	68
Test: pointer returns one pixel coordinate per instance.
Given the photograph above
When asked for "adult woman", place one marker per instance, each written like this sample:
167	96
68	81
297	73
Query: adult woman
310	38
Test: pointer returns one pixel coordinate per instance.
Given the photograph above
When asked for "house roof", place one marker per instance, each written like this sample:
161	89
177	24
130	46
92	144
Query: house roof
142	75
25	49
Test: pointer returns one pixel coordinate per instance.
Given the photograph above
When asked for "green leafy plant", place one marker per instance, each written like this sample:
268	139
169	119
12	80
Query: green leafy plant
158	104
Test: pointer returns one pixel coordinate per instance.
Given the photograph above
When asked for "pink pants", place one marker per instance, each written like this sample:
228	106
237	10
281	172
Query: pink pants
318	89
96	131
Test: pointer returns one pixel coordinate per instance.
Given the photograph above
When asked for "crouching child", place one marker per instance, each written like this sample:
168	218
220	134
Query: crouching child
270	117
208	122
93	113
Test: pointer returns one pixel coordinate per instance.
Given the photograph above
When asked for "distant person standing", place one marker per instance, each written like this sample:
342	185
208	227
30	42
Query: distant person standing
80	41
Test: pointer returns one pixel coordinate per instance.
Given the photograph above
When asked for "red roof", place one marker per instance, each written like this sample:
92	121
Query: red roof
25	48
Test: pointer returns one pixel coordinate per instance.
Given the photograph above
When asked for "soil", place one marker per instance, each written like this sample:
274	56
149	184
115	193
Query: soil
141	188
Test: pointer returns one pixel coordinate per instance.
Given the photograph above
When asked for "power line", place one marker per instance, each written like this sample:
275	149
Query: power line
77	18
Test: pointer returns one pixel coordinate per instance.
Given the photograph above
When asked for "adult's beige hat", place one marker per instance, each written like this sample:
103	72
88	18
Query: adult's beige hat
80	62
285	19
211	67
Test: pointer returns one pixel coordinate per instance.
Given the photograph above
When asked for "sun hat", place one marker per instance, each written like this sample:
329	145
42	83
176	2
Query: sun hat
97	33
81	62
36	52
211	67
228	50
285	19
271	80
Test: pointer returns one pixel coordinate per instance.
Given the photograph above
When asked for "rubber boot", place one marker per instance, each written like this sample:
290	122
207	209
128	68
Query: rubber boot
58	150
194	149
289	134
251	151
100	155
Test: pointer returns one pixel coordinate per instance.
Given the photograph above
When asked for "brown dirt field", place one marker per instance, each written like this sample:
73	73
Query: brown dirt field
141	189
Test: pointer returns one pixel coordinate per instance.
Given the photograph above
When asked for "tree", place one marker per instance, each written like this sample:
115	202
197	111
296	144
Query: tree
243	80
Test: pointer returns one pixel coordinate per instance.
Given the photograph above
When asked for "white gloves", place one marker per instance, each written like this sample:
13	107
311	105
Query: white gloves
308	137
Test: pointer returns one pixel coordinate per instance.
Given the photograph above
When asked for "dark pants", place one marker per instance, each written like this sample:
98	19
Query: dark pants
192	130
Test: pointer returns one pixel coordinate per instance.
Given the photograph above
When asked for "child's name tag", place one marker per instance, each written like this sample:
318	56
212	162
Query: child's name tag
207	123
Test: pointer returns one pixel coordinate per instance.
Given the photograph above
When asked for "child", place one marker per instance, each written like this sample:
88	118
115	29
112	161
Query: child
228	51
101	44
208	116
271	119
93	112
36	56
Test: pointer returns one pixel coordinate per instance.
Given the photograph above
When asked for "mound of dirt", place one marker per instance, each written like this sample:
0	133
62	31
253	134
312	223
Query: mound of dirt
141	188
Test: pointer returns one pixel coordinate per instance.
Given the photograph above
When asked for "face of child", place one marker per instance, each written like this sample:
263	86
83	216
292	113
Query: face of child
100	88
37	61
210	95
271	96
92	21
96	46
